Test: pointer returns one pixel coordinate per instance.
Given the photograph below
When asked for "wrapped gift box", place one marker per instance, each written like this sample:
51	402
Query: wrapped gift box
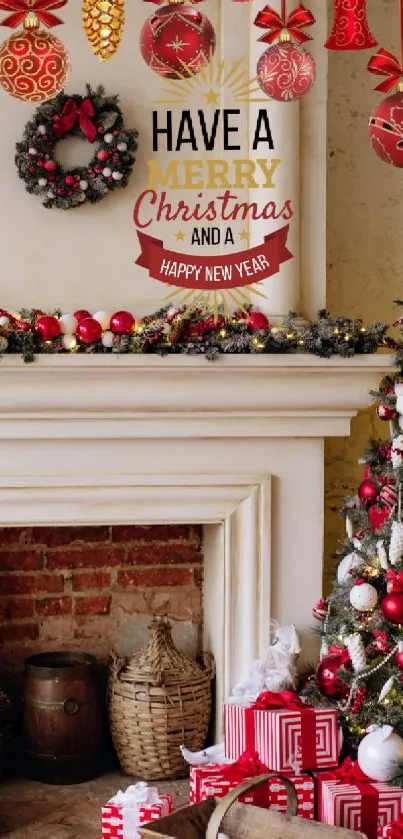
284	731
140	804
348	798
215	781
392	830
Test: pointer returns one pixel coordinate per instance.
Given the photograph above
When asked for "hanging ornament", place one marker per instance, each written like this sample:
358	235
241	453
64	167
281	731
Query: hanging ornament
399	655
363	596
367	491
286	71
103	22
397	451
104	318
386	689
396	543
34	64
327	679
346	566
177	41
350	27
68	324
356	649
380	754
319	611
382	555
349	528
380	645
386	123
392	603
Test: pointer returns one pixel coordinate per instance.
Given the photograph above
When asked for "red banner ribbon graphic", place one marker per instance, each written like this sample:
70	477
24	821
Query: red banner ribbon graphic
21	8
71	112
294	23
385	63
233	270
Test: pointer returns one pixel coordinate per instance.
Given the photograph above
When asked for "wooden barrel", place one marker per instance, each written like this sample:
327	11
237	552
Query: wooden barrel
62	717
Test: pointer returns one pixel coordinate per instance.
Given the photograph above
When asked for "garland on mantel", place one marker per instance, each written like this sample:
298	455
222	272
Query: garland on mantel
185	330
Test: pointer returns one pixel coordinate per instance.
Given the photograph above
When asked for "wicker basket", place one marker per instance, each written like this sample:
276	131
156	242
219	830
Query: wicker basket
158	699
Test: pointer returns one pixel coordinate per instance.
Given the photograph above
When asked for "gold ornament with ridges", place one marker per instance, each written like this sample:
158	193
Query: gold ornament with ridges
103	22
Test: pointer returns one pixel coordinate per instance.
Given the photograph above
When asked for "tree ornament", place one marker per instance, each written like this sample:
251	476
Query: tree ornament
378	516
68	324
80	314
356	649
382	555
89	331
122	323
399	655
396	543
358	701
69	342
327	679
349	528
347	564
103	22
389	496
385	413
319	611
103	318
350	27
177	41
286	71
392	607
48	327
256	321
34	64
397	452
363	596
386	130
380	753
386	689
367	491
108	339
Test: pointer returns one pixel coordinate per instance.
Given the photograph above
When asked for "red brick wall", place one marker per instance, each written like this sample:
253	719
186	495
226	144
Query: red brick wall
74	588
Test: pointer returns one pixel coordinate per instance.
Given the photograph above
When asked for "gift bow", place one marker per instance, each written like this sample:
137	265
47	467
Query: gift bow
136	796
395	828
396	580
351	773
21	8
270	701
293	23
385	63
247	766
71	112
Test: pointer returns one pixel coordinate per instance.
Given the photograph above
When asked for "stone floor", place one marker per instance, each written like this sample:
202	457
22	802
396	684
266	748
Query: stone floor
29	810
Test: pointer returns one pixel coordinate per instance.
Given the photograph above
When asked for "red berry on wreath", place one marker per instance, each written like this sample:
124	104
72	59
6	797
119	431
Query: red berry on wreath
89	330
49	165
122	323
177	41
257	320
69	179
103	155
48	327
367	492
386	130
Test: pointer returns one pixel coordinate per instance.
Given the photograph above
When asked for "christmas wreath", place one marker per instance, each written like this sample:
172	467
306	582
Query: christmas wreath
96	117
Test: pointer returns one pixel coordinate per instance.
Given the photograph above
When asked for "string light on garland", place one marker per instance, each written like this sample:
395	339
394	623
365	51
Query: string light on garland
103	22
350	27
386	122
177	41
286	71
34	64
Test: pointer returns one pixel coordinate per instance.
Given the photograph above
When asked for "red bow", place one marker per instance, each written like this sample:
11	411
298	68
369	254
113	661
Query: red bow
21	8
247	766
396	580
350	772
395	828
293	23
71	112
384	63
270	701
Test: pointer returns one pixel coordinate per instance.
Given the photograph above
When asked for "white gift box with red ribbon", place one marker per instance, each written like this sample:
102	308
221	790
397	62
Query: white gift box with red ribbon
126	811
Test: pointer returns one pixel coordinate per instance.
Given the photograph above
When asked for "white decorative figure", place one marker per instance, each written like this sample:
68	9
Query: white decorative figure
396	543
214	754
355	646
363	597
380	753
277	670
347	564
396	454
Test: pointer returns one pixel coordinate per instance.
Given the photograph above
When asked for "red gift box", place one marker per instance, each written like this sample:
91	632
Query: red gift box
216	780
348	798
392	830
284	731
120	821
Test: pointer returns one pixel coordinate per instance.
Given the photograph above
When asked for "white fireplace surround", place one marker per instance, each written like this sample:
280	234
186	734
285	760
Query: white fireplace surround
236	445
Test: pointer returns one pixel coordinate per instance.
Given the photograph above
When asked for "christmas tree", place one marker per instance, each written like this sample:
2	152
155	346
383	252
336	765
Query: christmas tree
361	623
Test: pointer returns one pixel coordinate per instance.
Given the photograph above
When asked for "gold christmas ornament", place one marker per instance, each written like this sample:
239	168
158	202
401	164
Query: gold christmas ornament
103	22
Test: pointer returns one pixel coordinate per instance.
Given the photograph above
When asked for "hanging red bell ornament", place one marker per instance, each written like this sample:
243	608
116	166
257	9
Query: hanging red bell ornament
350	27
34	64
177	41
89	331
286	71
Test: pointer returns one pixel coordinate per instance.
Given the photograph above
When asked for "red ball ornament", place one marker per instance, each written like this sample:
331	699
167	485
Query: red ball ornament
34	65
392	607
286	72
103	155
81	314
177	41
367	492
256	321
48	327
385	413
386	130
49	165
88	331
122	323
327	680
399	657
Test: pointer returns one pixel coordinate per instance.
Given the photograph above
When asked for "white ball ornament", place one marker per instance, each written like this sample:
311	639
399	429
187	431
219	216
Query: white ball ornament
108	138
121	146
104	318
380	753
83	185
42	182
69	342
32	151
363	597
107	172
108	339
4	320
117	176
68	324
41	129
346	565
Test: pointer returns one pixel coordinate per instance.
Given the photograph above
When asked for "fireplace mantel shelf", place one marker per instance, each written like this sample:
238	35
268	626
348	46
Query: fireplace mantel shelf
176	396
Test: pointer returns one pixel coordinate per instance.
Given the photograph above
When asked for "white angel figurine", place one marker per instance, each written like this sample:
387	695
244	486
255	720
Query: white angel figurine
277	670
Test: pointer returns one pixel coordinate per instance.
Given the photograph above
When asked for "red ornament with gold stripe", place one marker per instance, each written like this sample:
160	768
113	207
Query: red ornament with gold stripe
285	71
34	64
177	41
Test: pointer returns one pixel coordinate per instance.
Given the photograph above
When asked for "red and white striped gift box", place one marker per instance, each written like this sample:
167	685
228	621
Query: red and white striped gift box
308	738
113	817
392	830
363	807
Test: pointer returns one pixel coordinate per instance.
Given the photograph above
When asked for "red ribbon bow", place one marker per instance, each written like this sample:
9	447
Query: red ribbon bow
350	772
396	580
396	828
384	63
247	766
71	112
293	23
21	8
270	701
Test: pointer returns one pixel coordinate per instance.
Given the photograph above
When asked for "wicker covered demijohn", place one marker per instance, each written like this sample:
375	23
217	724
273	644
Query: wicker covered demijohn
158	700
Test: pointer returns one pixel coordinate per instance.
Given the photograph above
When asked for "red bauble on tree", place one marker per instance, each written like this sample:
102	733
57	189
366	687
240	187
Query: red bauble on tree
327	679
177	41
385	413
256	321
34	64
367	491
350	27
122	323
392	607
286	71
89	331
399	656
48	327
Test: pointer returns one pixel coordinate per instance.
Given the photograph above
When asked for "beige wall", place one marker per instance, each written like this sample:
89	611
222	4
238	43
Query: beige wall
364	239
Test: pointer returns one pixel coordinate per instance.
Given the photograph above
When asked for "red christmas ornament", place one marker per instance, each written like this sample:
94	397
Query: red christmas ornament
319	611
392	606
34	64
177	41
386	130
378	516
285	71
257	320
80	314
385	413
89	331
122	323
399	656
367	492
48	327
389	495
350	27
358	701
327	680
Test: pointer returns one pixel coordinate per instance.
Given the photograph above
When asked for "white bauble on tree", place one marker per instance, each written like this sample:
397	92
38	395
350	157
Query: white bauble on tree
363	597
68	324
380	754
346	565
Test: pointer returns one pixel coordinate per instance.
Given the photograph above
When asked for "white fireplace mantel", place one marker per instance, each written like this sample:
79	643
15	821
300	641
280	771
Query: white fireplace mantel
236	445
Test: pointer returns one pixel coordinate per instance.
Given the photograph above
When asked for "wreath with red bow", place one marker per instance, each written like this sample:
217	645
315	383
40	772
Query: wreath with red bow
97	118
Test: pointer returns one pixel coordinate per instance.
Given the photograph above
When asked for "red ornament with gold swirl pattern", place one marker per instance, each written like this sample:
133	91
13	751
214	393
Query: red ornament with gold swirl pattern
286	71
34	64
